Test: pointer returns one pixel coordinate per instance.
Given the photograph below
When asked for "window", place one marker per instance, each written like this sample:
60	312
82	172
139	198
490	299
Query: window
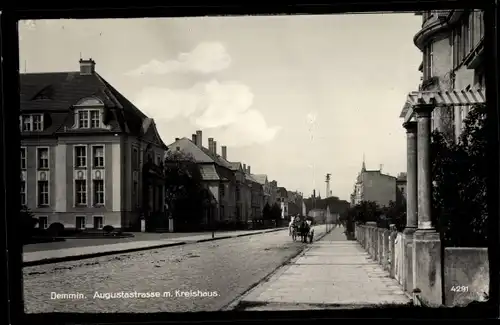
98	222
80	156
23	158
135	193
37	122
98	156
26	123
222	212
23	193
222	191
89	118
237	192
32	122
43	158
81	192
43	222
98	192
457	46
95	119
43	193
470	32
158	159
80	222
135	158
428	61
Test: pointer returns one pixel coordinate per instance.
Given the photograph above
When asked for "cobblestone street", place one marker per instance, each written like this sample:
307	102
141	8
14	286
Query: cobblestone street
227	267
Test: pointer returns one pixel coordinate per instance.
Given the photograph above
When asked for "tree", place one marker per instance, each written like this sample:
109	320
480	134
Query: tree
28	223
266	212
185	194
275	212
459	189
395	213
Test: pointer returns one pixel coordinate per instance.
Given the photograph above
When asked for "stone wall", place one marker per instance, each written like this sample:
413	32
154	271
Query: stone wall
466	275
466	270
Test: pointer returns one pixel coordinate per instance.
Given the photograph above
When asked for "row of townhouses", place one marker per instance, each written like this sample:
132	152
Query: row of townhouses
239	194
90	158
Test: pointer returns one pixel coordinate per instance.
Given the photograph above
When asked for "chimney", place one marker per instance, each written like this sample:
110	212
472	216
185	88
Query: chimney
211	145
215	147
176	139
224	152
193	138
199	139
248	169
87	67
244	168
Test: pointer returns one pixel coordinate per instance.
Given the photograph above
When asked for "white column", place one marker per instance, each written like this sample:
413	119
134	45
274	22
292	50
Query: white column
116	175
61	167
424	166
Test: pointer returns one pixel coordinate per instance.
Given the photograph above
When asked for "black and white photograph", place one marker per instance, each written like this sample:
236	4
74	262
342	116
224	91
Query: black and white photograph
253	163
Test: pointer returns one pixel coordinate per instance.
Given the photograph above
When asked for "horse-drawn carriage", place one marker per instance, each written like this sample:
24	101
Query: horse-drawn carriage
300	227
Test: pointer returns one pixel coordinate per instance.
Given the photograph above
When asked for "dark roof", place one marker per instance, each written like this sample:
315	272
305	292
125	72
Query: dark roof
55	93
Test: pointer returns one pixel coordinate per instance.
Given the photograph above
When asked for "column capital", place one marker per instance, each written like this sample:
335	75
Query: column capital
423	110
410	126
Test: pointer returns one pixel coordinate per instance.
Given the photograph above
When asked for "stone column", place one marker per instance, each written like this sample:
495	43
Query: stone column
407	255
424	183
411	176
426	242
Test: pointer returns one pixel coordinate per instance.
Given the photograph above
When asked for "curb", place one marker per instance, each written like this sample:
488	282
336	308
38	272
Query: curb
130	250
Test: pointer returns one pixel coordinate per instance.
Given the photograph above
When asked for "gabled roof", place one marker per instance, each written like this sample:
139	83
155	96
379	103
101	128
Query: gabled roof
260	178
188	147
55	93
236	166
217	158
249	177
208	173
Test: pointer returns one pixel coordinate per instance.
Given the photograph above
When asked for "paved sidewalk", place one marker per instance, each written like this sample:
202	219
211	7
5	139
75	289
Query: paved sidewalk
75	253
330	273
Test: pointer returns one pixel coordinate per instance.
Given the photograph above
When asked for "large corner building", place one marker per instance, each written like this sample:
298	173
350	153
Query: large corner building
89	157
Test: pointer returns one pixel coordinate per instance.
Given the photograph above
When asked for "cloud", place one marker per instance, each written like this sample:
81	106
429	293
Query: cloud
207	57
223	107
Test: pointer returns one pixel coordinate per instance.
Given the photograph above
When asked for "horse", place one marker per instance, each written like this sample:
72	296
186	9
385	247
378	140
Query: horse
304	229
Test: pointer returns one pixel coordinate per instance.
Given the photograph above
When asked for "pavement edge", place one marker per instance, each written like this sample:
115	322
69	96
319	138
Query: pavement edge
132	250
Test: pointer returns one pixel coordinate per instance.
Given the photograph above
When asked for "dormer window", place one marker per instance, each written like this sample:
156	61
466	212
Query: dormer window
89	118
31	122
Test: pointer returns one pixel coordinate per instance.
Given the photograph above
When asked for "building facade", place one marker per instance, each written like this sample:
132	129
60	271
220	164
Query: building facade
282	199
452	45
373	185
84	148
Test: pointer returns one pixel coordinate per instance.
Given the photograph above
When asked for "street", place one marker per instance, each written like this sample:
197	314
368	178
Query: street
227	267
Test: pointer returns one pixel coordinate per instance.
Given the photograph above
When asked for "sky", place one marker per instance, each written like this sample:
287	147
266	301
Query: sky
294	97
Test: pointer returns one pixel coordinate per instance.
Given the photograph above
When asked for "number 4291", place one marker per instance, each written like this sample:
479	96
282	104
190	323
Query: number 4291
459	289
